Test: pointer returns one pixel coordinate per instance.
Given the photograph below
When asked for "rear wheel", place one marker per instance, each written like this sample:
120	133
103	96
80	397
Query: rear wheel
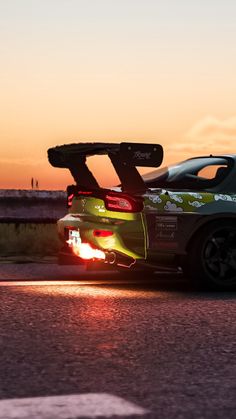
211	258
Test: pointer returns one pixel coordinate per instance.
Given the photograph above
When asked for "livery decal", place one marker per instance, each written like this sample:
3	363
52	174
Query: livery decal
100	208
223	197
170	206
196	204
162	230
195	195
175	197
142	156
155	199
182	202
151	207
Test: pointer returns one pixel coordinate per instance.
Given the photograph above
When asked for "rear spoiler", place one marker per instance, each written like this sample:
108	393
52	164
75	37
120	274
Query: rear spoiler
125	157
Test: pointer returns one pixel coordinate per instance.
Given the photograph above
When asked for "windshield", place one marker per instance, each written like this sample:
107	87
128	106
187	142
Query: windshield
190	174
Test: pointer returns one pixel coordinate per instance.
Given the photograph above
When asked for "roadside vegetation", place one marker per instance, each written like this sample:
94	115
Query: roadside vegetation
28	239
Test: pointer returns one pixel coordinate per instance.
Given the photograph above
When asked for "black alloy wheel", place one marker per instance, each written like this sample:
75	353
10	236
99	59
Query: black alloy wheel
212	256
219	255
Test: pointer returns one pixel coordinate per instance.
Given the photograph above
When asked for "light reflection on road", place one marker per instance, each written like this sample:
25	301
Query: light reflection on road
81	289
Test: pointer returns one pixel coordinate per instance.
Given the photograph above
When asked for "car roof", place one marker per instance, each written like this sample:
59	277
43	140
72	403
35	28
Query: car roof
232	156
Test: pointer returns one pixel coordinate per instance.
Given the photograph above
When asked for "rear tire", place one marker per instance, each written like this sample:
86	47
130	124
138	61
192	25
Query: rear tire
211	260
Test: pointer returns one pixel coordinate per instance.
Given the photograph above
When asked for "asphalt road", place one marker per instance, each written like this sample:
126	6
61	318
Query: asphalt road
154	347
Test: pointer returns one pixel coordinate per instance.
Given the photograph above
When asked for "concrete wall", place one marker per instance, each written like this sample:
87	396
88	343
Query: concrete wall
32	205
28	221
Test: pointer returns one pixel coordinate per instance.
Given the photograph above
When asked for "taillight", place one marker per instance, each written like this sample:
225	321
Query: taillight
123	203
102	233
70	199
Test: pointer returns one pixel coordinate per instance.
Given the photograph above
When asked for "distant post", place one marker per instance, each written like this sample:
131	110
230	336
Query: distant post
32	183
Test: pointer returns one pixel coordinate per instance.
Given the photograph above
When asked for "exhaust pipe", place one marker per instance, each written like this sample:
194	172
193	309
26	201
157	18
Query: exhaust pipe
117	259
110	258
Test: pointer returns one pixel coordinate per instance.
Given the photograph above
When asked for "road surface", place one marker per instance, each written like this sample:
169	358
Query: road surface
76	344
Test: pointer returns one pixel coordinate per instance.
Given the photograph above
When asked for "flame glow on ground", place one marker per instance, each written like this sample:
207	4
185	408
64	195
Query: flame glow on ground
82	289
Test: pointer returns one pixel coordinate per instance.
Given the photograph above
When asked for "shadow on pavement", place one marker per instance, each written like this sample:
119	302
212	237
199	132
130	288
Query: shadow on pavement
54	275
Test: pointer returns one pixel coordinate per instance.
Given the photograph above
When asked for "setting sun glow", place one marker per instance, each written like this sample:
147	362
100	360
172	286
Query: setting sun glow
130	70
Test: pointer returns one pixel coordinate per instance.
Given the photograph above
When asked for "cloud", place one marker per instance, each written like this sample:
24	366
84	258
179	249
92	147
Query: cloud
209	135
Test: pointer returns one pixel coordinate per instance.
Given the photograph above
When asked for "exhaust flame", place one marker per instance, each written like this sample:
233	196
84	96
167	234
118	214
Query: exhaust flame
85	251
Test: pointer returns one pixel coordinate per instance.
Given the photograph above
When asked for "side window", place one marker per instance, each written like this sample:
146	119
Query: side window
212	172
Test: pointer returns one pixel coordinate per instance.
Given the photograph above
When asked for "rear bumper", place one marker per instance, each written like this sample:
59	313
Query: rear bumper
127	238
67	257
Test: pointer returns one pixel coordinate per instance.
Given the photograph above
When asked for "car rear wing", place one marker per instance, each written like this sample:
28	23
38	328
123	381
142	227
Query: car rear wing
125	157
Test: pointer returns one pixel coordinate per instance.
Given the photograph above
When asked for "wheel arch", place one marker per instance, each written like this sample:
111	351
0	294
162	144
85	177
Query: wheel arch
205	223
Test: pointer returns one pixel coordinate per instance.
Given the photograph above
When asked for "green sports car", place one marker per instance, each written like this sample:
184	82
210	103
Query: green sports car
183	215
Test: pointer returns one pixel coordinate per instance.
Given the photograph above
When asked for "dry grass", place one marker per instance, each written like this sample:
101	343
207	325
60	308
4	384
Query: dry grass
28	239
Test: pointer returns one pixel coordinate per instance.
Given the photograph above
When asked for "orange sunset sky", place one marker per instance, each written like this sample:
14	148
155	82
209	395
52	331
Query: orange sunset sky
159	71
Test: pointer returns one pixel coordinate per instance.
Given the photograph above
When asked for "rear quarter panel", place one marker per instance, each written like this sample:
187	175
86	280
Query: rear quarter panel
172	218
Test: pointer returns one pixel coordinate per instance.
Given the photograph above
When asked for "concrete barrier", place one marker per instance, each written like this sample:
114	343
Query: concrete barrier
28	221
27	204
